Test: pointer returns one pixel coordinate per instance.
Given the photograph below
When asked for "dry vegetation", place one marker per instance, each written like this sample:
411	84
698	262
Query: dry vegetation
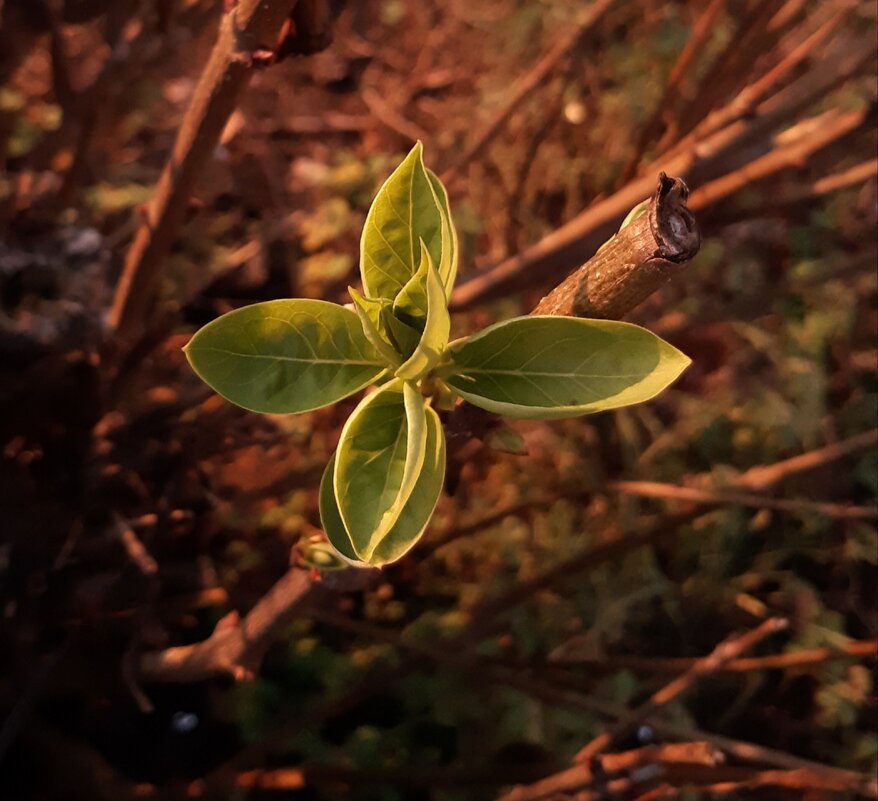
676	600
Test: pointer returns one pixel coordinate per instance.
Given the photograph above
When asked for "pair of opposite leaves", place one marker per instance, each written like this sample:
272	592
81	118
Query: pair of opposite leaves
380	488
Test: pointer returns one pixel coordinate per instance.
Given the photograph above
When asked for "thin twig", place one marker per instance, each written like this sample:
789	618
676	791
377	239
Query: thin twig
702	158
719	496
760	478
134	548
763	87
701	31
727	650
739	750
528	83
792	660
731	64
236	646
645	764
802	780
242	33
764	477
824	131
454	653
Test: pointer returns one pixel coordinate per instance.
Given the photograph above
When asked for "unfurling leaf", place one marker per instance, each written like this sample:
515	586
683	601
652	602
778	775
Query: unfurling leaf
552	367
285	356
413	517
437	323
379	457
369	312
448	265
406	210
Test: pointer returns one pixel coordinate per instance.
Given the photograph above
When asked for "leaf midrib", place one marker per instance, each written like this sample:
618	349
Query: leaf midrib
288	358
488	371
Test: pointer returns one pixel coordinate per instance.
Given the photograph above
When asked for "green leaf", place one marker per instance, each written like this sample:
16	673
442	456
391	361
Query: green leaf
414	516
437	326
404	337
285	356
448	265
544	367
330	517
378	320
405	211
411	304
380	454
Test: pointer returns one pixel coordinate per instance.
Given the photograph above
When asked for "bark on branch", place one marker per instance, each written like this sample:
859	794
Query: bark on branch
247	35
700	159
634	263
237	646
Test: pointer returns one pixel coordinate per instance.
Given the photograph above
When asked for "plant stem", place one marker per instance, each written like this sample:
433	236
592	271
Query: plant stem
249	27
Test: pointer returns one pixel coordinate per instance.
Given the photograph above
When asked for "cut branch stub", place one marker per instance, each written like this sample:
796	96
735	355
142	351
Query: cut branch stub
671	223
632	265
643	256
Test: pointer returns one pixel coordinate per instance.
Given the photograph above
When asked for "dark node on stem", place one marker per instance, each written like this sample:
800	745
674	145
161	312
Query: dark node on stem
672	224
634	263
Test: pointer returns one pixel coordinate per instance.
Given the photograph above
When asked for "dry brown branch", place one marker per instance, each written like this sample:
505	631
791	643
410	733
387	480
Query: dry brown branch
390	116
456	654
748	42
764	477
249	27
763	87
727	650
788	661
134	548
792	660
819	133
701	32
718	496
237	646
702	159
855	783
529	82
857	174
595	775
810	192
760	478
724	781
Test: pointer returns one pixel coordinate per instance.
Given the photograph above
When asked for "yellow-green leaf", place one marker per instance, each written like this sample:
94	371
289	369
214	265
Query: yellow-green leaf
414	516
285	356
416	513
437	325
405	211
545	367
448	264
379	457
